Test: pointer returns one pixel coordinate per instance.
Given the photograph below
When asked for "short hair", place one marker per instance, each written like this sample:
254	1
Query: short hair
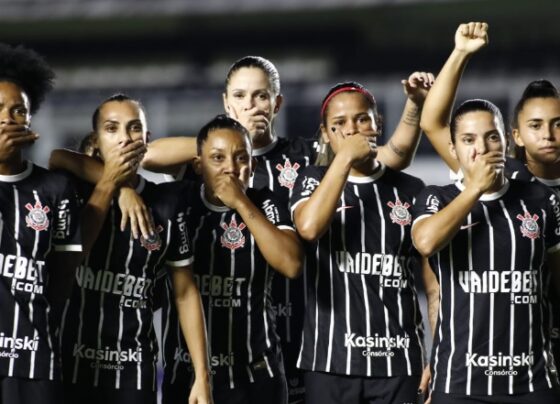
260	63
119	97
535	89
28	70
221	121
347	86
472	106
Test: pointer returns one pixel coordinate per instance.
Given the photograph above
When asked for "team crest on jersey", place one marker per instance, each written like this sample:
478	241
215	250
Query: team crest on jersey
233	237
288	173
529	226
37	217
399	212
153	242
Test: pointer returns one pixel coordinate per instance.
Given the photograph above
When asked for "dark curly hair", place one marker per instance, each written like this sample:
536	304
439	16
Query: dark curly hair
27	69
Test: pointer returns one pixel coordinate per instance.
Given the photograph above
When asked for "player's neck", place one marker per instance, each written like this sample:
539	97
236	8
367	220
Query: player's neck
260	141
12	166
542	170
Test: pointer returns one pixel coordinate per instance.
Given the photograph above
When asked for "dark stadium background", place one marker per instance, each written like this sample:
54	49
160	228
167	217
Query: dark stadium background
174	54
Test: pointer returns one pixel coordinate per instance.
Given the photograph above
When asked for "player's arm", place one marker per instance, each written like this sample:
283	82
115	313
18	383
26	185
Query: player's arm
168	154
399	151
313	216
431	233
280	247
469	39
191	319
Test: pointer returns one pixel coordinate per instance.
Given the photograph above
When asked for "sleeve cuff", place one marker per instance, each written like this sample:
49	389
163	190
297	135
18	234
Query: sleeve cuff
68	247
554	248
182	263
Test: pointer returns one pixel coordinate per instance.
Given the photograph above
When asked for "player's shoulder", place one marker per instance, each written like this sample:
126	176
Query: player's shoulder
314	171
529	190
407	181
298	146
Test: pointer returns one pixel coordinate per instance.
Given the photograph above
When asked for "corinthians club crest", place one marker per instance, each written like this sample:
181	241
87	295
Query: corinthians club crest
233	237
529	226
399	212
152	243
37	217
288	173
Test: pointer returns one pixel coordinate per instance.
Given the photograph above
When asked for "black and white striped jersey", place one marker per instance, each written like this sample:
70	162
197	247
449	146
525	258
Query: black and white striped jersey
107	338
362	316
38	215
234	281
492	336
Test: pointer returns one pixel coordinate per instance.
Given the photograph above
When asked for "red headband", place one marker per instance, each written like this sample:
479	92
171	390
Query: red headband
362	91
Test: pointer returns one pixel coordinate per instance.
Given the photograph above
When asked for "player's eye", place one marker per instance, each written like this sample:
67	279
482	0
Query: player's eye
238	95
111	128
534	125
21	111
217	157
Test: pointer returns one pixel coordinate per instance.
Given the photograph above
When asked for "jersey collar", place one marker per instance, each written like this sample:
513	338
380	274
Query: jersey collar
20	176
488	197
141	185
549	183
370	178
267	148
209	205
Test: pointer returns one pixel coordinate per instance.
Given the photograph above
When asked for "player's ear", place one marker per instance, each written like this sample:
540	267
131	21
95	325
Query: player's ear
278	103
196	165
452	151
226	105
517	138
148	136
324	134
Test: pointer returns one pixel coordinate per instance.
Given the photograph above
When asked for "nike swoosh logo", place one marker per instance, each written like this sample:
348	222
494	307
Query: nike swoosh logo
468	226
340	209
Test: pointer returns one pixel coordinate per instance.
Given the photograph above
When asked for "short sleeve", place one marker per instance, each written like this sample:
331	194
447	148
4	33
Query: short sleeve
180	252
552	230
66	230
427	203
306	183
276	212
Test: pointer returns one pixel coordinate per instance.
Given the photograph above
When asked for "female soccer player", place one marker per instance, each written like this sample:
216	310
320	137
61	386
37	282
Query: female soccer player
241	237
252	96
489	240
108	344
535	127
362	337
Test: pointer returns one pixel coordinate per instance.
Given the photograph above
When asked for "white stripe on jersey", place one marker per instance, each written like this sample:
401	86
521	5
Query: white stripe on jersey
346	291
18	253
270	177
491	321
80	328
440	317
546	346
385	310
363	278
210	298
471	303
249	286
316	307
121	313
530	310
32	298
230	318
452	317
512	295
331	322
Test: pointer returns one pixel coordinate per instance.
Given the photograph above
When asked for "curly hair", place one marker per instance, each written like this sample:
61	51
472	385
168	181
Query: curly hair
27	69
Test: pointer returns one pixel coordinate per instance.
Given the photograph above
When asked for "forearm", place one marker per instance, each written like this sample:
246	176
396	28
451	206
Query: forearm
82	166
313	216
280	248
191	318
95	212
432	233
399	151
167	154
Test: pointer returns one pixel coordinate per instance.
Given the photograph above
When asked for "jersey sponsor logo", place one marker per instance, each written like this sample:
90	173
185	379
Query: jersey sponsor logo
523	285
529	226
271	211
376	345
432	204
18	344
184	245
288	173
309	185
556	210
282	310
153	242
399	212
233	237
134	290
224	291
62	227
505	364
26	273
37	217
389	267
555	333
106	354
183	356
